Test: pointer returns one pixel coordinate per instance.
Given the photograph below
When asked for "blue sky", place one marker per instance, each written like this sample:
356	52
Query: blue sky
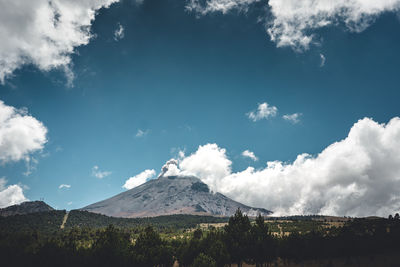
186	79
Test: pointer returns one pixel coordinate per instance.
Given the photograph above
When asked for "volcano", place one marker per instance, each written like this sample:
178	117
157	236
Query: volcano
169	195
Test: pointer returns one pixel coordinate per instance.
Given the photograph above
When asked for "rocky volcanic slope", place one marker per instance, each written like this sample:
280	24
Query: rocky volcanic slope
25	208
171	195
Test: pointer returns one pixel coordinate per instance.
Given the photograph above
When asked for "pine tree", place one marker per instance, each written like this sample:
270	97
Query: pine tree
238	237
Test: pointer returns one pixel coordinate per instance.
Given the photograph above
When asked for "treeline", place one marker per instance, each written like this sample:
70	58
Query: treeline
240	241
237	242
50	221
162	223
46	222
86	247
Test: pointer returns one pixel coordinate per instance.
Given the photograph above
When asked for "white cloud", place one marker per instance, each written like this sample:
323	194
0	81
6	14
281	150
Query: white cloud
249	154
44	33
119	33
31	164
67	186
139	179
10	195
209	162
141	133
20	134
96	172
223	6
293	23
323	60
293	118
264	111
357	176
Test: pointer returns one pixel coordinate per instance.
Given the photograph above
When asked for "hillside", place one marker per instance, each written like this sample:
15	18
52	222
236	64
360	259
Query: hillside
171	195
25	208
81	219
51	221
46	221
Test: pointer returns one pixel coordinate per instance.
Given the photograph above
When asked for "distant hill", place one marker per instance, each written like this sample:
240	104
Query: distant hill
25	208
171	195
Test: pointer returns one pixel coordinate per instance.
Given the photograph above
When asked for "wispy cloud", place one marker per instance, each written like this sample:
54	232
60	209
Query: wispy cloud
323	60
66	186
119	33
141	133
293	118
96	172
223	6
249	154
30	163
264	111
138	2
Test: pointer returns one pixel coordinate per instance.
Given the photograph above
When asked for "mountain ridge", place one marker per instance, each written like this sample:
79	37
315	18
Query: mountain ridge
26	207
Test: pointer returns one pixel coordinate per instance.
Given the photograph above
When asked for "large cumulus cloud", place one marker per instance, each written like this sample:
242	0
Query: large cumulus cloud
210	163
44	32
20	134
357	176
11	194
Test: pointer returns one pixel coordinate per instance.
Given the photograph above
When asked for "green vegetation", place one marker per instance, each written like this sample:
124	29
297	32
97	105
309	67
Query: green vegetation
168	223
302	226
151	242
46	222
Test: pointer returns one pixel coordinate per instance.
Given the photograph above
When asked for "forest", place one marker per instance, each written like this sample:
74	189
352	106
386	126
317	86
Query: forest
154	242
